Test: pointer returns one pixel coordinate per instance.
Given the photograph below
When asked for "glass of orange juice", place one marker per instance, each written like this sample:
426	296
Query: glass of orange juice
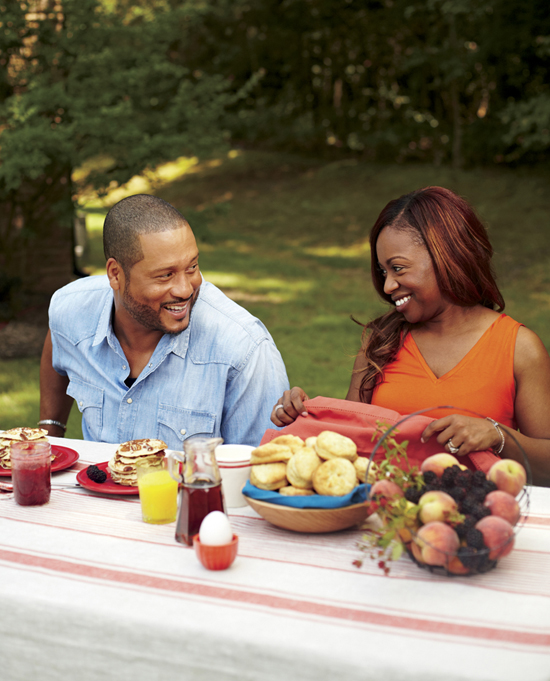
158	494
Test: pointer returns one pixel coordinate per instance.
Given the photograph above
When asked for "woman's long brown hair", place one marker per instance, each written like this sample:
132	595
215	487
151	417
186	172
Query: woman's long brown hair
461	256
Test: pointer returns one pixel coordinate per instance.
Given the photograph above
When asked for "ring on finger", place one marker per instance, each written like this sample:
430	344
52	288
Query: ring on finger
279	406
451	447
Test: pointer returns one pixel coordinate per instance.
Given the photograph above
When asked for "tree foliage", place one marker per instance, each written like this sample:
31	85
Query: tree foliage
439	80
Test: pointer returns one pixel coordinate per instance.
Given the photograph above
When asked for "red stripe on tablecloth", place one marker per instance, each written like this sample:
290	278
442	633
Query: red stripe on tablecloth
538	520
417	624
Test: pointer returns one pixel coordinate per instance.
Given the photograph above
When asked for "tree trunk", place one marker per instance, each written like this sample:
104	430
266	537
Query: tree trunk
36	241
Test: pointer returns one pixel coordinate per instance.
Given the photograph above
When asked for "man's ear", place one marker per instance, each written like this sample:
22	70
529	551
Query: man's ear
115	274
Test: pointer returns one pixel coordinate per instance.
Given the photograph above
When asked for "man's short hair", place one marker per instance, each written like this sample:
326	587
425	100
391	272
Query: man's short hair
135	215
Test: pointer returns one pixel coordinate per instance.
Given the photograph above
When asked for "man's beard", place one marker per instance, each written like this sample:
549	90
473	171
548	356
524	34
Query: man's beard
150	318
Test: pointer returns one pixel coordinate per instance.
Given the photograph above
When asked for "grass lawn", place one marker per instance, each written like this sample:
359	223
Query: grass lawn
287	237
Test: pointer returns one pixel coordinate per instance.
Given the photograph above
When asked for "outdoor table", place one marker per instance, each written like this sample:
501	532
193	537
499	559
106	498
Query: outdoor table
88	591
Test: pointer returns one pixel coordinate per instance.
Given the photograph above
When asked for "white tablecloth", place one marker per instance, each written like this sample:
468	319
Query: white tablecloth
88	591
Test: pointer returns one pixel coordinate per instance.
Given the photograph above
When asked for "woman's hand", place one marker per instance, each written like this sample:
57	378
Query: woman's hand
289	407
466	434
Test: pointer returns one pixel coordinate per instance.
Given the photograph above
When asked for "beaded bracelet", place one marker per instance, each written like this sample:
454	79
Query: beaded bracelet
51	422
502	438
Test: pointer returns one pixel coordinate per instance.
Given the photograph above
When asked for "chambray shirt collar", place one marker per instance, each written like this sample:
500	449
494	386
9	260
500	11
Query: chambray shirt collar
176	343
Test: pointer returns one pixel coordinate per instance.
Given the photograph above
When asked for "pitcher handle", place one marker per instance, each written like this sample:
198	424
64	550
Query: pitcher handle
174	459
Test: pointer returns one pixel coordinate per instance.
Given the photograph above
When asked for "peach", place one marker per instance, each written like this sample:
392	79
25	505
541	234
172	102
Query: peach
457	567
498	535
437	543
508	475
417	552
436	505
438	463
504	505
386	489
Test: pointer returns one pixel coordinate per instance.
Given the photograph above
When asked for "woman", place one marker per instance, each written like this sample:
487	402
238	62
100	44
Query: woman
445	340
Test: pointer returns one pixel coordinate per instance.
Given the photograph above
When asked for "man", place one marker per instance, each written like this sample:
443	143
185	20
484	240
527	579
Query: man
152	350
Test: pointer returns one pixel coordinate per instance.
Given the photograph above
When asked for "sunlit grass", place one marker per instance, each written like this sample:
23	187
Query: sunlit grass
20	396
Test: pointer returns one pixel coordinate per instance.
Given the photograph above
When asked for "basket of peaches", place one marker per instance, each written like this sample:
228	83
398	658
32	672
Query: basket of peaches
448	518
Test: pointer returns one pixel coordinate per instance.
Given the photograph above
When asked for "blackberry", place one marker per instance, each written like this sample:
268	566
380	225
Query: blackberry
489	486
485	564
413	495
462	530
478	493
480	511
430	477
96	474
448	477
430	487
478	478
468	505
469	521
457	493
474	538
464	479
469	557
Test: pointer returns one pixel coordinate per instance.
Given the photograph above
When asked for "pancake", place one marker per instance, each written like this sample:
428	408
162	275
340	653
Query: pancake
129	455
21	434
24	434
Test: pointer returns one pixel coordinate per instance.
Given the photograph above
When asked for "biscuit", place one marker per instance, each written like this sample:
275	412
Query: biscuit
331	445
291	491
361	464
310	441
268	476
270	453
292	441
335	478
301	467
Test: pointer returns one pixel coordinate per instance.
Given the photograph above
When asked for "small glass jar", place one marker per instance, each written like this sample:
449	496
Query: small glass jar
31	472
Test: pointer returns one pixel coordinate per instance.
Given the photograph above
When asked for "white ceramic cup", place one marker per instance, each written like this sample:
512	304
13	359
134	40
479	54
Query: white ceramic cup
234	464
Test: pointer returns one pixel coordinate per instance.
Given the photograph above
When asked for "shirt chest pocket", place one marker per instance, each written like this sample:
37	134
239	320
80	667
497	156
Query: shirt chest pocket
89	400
174	422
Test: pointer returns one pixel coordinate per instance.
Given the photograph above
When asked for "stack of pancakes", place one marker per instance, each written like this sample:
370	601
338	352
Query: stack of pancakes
145	452
21	434
327	464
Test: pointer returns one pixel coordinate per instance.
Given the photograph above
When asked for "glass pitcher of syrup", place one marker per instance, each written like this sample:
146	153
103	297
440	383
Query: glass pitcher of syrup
200	486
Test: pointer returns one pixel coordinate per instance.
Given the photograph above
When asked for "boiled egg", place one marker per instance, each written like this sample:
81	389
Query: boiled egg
215	530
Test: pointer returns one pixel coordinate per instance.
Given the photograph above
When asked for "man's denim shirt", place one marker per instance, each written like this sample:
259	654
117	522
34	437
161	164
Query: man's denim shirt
220	377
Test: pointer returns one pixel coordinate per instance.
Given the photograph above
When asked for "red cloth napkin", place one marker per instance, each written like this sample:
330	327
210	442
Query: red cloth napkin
358	422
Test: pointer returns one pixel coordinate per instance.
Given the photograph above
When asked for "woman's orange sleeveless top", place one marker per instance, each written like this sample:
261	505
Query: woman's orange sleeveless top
483	381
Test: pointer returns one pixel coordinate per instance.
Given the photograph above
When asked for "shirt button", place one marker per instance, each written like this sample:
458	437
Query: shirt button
81	403
129	400
183	431
124	366
150	365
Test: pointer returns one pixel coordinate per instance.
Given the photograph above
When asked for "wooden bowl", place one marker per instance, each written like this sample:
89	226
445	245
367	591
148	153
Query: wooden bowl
314	520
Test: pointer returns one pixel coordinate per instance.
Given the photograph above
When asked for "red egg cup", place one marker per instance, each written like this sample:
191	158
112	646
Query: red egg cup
216	557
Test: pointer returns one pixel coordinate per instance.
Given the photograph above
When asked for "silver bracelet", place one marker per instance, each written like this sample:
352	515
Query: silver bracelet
51	422
502	438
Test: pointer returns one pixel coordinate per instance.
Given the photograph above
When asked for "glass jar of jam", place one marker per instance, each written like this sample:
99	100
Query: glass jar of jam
31	472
